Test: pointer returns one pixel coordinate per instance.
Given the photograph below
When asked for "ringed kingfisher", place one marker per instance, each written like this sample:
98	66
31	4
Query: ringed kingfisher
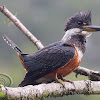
58	59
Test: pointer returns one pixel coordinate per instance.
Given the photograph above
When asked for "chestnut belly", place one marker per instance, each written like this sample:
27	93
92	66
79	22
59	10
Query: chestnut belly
67	68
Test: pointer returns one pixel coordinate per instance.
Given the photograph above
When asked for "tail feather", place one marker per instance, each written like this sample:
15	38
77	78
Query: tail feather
12	44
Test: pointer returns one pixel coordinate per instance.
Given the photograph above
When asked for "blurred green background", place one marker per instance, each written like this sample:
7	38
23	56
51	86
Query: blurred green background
46	19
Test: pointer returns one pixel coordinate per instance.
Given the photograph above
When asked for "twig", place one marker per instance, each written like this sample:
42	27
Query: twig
52	90
7	13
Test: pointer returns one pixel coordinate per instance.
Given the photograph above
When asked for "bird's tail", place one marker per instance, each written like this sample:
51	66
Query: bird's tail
12	44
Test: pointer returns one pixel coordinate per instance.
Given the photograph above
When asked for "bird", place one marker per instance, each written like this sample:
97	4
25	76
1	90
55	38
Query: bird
59	59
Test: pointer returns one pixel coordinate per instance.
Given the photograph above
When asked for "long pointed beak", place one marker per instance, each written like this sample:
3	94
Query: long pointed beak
91	28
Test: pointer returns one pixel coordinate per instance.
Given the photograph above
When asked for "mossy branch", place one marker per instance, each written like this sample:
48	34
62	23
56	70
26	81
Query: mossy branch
42	91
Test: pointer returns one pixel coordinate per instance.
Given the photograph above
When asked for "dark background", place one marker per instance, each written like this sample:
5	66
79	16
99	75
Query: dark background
46	19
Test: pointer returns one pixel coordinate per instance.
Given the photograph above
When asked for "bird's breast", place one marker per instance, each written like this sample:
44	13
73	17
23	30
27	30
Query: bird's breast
69	66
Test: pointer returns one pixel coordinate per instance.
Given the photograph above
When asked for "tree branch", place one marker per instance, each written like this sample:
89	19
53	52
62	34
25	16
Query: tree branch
93	75
13	18
52	90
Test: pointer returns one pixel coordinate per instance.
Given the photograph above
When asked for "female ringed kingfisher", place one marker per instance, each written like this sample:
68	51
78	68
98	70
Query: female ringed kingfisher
58	59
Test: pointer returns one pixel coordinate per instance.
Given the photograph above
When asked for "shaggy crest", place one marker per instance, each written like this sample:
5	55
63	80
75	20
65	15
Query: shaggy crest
78	20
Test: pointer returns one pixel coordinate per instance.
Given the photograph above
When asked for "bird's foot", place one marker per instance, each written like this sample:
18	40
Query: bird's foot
62	78
57	80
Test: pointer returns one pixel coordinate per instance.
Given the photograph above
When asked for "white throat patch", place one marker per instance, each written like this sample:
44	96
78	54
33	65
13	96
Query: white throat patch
75	31
69	33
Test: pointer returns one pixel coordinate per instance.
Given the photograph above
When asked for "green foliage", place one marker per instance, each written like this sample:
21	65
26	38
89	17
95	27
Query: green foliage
0	85
2	94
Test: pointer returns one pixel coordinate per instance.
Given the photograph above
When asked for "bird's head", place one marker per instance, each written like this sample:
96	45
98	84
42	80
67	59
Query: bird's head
80	24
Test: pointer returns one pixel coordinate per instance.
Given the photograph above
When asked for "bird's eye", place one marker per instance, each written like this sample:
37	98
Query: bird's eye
80	23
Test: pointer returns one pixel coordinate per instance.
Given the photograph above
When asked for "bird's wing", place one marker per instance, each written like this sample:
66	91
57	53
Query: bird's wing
47	60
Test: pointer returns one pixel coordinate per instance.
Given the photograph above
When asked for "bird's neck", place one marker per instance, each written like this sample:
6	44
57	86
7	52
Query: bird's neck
79	41
75	38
